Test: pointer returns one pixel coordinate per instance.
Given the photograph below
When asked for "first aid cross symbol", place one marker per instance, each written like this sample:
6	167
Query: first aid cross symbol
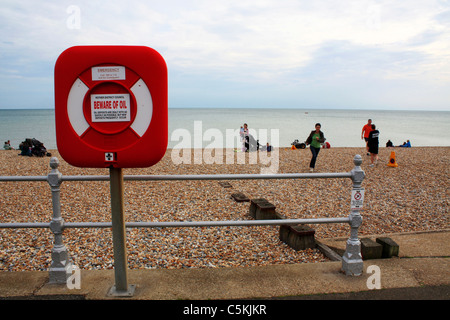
109	156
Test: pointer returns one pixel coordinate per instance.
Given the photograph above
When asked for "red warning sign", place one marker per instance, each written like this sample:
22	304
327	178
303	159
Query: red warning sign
110	108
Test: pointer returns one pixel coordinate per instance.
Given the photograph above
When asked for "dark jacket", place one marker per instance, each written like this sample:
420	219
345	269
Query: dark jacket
321	139
373	137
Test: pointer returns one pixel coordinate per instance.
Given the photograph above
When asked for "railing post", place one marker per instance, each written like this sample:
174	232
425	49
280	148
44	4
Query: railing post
61	267
352	263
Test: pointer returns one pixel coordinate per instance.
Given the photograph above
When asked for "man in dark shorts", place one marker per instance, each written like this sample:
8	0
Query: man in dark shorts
373	143
365	133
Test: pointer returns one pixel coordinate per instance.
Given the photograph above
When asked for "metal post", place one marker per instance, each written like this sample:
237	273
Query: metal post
121	287
352	263
61	267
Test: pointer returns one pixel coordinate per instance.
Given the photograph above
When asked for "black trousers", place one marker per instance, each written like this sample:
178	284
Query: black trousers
315	153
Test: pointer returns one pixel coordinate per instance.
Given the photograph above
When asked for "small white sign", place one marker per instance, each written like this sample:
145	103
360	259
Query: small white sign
357	199
109	156
110	107
108	73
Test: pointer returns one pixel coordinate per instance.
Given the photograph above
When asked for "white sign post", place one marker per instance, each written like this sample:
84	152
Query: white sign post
357	199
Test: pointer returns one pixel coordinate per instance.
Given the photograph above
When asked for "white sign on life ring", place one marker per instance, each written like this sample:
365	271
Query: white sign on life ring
143	101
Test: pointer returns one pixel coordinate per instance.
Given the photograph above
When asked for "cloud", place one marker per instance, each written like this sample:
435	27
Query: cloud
264	45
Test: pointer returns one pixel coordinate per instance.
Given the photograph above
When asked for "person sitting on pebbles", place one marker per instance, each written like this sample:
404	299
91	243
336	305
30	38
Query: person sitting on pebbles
7	145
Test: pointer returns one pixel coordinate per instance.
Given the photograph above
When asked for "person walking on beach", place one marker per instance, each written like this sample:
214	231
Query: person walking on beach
365	133
373	143
315	138
244	137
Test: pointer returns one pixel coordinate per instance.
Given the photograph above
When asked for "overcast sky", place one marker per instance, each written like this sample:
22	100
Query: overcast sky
244	53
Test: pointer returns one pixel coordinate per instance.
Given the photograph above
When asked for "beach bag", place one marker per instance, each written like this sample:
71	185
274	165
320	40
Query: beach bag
298	145
38	148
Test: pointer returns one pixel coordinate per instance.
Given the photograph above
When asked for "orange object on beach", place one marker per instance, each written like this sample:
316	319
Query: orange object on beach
392	162
293	147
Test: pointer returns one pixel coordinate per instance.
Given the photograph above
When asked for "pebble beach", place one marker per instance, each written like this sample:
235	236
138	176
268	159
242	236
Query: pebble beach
411	197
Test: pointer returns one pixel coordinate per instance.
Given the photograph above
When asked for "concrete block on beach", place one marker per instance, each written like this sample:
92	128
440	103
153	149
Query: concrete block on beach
390	247
298	237
225	184
253	204
239	197
370	249
265	211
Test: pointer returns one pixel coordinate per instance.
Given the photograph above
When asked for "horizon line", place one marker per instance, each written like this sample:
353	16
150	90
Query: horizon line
270	108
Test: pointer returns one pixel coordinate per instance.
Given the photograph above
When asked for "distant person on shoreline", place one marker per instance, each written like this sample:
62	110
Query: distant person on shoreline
373	143
365	133
389	144
267	147
315	138
244	137
7	145
249	142
406	144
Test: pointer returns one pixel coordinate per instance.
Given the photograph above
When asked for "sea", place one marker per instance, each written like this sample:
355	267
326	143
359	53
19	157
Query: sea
211	127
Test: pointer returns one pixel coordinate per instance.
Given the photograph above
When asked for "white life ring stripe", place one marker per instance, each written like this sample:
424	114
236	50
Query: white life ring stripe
143	100
75	107
144	107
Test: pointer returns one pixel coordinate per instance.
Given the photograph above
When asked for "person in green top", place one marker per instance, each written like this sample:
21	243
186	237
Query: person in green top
315	138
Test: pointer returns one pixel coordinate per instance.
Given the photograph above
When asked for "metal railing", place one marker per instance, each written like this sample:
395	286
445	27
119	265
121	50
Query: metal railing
61	267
